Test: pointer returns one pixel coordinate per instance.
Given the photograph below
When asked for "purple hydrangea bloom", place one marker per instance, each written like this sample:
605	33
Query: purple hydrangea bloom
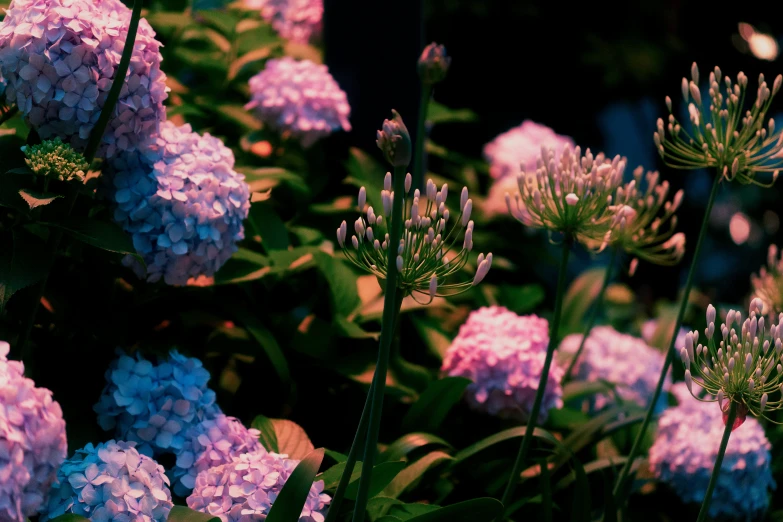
246	488
684	454
59	58
520	148
183	203
619	359
155	405
32	441
503	354
300	99
111	481
208	444
296	20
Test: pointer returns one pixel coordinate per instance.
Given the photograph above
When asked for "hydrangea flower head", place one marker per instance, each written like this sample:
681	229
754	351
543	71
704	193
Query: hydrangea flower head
211	443
685	450
247	487
519	149
504	357
296	20
59	58
111	481
155	405
620	359
299	99
183	203
768	284
32	441
724	135
429	252
56	159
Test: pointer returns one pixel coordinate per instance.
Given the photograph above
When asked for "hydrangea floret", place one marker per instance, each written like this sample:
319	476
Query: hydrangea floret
55	159
296	20
519	148
433	64
768	283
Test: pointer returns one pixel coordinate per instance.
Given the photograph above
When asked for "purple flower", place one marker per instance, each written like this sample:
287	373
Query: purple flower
246	488
300	99
182	202
59	58
503	354
296	20
519	148
211	443
32	441
111	481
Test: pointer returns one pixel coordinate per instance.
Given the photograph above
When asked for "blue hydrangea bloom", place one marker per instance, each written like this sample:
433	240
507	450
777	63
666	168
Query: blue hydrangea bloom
32	441
155	405
211	443
182	202
111	481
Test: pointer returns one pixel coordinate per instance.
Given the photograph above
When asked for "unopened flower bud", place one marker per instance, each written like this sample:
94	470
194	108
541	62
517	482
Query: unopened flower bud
433	64
408	182
433	287
395	141
362	198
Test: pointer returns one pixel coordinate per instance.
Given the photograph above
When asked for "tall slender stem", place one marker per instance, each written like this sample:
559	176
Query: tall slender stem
597	306
527	439
418	151
619	486
705	505
391	308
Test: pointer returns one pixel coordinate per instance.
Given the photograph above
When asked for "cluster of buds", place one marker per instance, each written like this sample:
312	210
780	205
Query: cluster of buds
571	195
433	64
55	159
394	140
429	251
728	137
744	369
768	284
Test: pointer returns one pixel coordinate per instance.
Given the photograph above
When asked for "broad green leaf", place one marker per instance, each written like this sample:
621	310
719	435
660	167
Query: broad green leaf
246	59
409	511
346	328
521	299
439	113
400	448
410	475
100	234
223	21
185	514
288	505
27	263
238	114
283	436
377	506
432	406
579	297
267	223
388	518
331	476
37	199
429	331
336	455
365	172
268	436
580	389
342	283
499	437
266	178
382	475
475	510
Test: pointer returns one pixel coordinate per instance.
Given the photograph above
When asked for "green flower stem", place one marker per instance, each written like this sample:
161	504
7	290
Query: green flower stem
527	439
10	113
593	315
418	151
705	505
391	308
53	243
619	487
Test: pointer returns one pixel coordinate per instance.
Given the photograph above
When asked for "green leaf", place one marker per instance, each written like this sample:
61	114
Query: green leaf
100	234
382	475
25	171
336	455
346	328
268	436
475	510
266	178
238	114
283	436
342	283
246	59
580	512
400	448
377	506
432	406
521	299
579	298
331	476
546	491
439	113
365	172
429	331
414	472
499	437
185	514
267	224
580	389
666	320
289	503
27	264
37	199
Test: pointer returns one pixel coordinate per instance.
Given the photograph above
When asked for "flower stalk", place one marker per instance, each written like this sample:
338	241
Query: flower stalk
418	151
705	506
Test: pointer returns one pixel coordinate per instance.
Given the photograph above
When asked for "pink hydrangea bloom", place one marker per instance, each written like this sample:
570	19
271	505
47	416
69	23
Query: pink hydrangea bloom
520	148
296	20
59	58
503	354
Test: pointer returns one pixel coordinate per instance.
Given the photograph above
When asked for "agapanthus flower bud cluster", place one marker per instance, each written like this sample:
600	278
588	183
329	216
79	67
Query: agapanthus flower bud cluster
433	64
296	20
299	99
55	159
768	284
684	453
619	359
155	405
246	488
182	202
432	248
394	140
571	195
59	58
743	367
519	148
736	141
503	354
32	441
111	481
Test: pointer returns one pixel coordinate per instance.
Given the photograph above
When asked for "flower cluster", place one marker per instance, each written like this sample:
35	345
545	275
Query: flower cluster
745	369
428	252
503	354
619	359
32	441
433	64
155	405
571	195
56	159
182	202
684	454
768	284
299	99
59	58
519	149
727	137
208	444
247	487
111	481
296	20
